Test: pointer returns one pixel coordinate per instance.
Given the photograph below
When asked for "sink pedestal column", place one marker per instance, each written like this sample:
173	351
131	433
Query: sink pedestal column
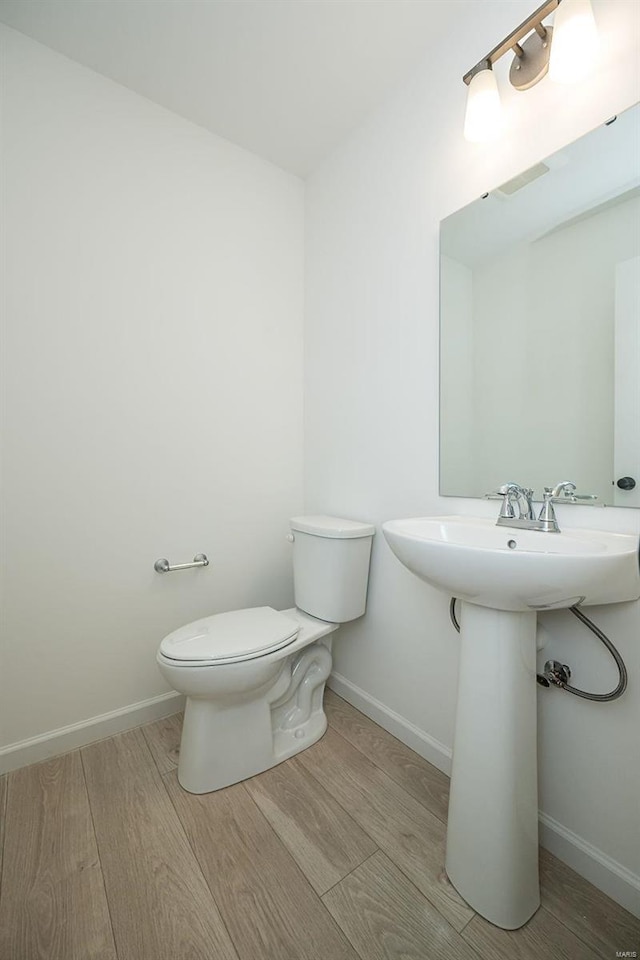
492	834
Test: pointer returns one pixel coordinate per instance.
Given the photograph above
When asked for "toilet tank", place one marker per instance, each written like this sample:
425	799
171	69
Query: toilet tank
331	566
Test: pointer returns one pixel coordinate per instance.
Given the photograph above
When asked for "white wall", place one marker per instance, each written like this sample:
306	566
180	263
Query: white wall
152	386
371	417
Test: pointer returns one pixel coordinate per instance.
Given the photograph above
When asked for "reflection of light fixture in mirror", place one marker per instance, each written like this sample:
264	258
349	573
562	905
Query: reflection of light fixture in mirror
483	119
575	43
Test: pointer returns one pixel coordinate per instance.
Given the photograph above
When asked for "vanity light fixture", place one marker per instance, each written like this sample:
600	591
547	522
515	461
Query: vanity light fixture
570	57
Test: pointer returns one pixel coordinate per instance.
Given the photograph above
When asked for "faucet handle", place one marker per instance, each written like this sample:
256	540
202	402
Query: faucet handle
565	487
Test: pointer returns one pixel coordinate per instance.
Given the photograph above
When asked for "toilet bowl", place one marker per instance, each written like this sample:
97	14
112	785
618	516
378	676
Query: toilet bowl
254	679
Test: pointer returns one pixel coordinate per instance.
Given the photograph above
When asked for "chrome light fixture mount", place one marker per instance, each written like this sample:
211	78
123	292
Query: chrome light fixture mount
531	61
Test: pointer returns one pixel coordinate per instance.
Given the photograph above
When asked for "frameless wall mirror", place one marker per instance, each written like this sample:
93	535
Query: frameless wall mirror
540	326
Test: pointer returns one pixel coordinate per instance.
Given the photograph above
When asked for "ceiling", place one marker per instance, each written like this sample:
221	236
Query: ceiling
286	79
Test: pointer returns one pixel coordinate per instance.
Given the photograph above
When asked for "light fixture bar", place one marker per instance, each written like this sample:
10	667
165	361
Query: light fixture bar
534	22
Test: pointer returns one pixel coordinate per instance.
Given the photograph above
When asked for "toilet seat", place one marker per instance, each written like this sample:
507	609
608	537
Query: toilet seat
229	637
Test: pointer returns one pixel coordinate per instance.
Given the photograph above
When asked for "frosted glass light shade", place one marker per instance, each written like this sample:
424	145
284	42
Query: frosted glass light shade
483	119
575	45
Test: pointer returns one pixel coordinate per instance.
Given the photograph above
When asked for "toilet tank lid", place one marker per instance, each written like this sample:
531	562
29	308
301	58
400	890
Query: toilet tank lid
334	527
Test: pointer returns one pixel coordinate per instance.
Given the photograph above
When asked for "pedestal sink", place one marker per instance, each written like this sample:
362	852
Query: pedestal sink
503	576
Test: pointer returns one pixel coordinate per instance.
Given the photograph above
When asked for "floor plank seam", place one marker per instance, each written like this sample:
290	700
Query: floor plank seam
385	771
344	933
344	809
357	867
428	899
306	880
389	855
153	756
281	841
582	937
475	950
163	777
95	837
467	923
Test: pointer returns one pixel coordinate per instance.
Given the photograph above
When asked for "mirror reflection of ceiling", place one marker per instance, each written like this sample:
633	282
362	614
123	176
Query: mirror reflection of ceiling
609	164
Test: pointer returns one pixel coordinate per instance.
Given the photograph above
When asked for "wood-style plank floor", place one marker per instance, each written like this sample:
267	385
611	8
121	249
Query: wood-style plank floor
336	854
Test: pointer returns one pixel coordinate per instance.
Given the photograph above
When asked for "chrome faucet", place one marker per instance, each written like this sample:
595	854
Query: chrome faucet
513	493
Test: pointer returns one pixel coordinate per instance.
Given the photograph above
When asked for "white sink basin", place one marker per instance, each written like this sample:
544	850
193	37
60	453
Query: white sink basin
510	569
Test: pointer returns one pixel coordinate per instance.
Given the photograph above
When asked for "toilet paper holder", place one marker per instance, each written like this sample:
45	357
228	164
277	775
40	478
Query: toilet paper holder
163	565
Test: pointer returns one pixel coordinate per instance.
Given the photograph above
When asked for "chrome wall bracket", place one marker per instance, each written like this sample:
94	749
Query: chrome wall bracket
163	566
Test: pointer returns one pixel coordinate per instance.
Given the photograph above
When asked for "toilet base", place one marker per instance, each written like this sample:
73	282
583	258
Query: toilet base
224	742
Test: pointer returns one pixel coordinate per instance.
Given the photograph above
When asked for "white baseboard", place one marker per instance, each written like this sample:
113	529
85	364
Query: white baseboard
427	746
64	739
602	871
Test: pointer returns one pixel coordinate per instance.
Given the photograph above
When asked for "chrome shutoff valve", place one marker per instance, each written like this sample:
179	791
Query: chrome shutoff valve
556	672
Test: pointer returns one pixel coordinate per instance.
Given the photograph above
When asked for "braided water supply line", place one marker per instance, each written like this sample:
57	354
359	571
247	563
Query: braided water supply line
559	674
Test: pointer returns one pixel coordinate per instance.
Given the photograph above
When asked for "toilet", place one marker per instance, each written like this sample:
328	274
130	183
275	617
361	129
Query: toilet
254	679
